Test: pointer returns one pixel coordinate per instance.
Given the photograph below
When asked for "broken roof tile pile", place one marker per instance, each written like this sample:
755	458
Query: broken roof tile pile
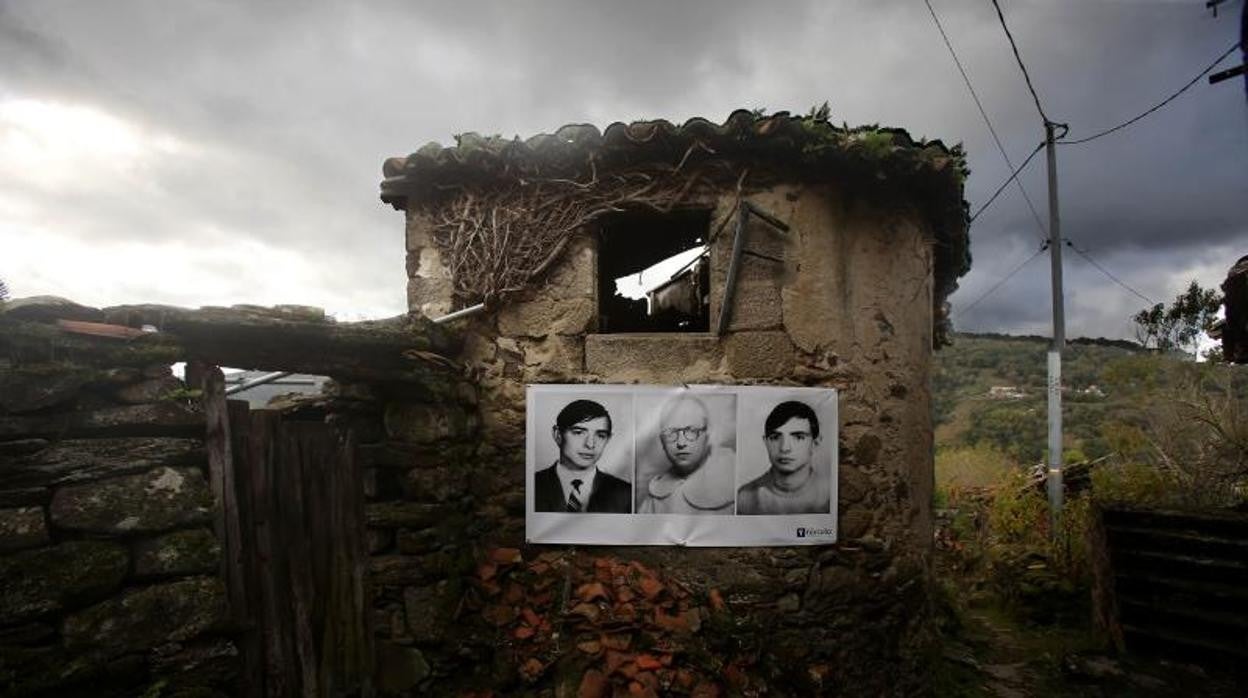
784	147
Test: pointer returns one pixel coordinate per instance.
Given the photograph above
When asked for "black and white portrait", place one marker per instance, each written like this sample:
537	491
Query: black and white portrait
586	444
786	466
686	452
702	465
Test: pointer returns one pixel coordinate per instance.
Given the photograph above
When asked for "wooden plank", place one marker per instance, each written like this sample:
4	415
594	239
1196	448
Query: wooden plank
251	646
280	664
226	524
359	602
350	594
294	478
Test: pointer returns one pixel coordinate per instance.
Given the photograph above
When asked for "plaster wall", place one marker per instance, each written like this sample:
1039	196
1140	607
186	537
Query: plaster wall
848	307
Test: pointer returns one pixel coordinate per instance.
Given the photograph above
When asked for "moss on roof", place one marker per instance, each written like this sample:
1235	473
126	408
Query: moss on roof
870	159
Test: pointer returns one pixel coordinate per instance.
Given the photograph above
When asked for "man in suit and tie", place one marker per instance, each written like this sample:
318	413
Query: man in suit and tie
574	484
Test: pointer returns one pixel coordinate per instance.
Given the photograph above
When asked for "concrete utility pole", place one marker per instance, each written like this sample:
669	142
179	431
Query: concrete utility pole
1059	337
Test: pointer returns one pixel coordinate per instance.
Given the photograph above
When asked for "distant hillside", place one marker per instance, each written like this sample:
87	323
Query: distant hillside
991	388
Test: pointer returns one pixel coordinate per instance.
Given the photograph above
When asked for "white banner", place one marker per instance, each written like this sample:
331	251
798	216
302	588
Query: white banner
705	465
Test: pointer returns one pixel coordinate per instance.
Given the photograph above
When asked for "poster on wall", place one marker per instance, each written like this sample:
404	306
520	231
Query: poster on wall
701	465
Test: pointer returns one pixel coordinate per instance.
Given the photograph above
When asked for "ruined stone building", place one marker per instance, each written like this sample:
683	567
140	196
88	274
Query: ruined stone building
851	296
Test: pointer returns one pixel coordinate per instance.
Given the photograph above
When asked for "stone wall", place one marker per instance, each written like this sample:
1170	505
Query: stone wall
417	448
109	566
108	562
851	308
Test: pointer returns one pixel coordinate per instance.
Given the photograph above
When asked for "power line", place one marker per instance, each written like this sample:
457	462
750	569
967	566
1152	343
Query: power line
1017	57
1160	104
1013	175
1001	283
1106	272
982	112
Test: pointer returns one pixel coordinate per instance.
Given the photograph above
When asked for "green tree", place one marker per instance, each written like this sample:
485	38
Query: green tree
1179	325
4	291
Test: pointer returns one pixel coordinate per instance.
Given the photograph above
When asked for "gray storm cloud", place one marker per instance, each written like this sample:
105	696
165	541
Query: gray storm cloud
283	113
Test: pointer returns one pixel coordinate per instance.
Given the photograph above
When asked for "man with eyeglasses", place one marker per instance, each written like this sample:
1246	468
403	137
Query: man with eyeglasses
793	484
574	484
699	479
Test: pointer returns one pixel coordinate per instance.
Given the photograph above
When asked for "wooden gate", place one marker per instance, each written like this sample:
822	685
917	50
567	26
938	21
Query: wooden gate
291	521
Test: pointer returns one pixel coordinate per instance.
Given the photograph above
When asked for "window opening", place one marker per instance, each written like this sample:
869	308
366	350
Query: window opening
654	272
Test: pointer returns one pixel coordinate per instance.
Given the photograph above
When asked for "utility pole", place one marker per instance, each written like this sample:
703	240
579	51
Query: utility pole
1054	480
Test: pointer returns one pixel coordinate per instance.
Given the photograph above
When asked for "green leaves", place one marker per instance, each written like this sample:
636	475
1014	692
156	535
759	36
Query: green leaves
1179	325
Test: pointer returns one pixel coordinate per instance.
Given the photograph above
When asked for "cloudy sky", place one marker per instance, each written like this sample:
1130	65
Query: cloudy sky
203	152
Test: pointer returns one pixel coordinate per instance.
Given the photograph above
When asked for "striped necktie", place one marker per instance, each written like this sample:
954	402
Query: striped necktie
574	502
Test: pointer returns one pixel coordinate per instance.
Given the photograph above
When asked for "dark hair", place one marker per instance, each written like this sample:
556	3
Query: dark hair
579	411
788	410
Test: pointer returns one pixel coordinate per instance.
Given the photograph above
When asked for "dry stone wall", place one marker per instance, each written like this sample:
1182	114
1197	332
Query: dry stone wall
849	307
108	562
109	565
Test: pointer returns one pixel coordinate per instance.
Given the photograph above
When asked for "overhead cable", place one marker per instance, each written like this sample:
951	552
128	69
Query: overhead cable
982	112
1106	272
1019	59
1013	175
1001	283
1159	105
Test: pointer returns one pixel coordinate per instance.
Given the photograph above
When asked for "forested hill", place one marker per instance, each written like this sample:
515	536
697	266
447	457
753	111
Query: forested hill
989	388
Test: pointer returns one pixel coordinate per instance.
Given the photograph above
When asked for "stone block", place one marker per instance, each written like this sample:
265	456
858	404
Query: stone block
75	461
421	541
399	570
660	357
170	418
403	514
428	611
155	419
854	485
22	447
149	390
436	484
757	306
545	315
400	669
188	668
429	297
181	553
27	634
163	370
35	582
759	355
149	617
423	424
23	527
553	358
157	500
855	523
118	376
573	275
867	449
36	389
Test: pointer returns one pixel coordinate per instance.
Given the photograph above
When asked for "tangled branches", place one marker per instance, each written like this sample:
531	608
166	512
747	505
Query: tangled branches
497	241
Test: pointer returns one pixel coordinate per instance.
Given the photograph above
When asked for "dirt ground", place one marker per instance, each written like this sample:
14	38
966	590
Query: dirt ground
989	652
